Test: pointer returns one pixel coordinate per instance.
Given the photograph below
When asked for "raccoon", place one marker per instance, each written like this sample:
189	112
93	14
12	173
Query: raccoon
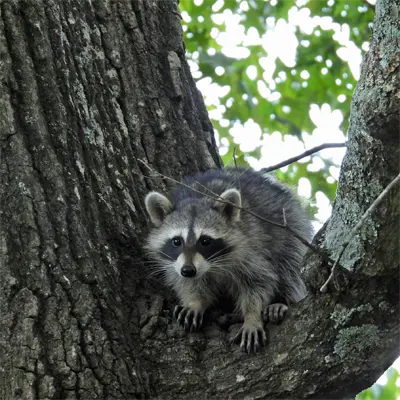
209	246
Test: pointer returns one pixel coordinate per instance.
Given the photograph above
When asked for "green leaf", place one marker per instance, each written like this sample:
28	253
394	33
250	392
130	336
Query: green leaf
318	77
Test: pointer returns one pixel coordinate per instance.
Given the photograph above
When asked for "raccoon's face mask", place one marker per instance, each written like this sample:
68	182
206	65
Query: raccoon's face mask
192	246
194	257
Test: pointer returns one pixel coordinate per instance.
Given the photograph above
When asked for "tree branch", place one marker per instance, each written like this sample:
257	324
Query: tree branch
303	155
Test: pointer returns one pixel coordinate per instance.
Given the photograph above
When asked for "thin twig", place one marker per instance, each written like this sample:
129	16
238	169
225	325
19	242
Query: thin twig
367	213
303	155
284	226
236	167
234	156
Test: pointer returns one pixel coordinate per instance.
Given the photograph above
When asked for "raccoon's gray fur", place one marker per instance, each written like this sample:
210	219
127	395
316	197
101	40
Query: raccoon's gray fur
209	248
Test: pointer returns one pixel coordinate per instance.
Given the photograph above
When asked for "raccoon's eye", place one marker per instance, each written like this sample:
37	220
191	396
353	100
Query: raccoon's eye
205	240
176	241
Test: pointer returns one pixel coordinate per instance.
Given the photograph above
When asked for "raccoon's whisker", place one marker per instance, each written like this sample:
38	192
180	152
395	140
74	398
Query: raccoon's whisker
151	267
158	262
158	277
216	256
164	265
217	266
144	257
164	254
218	252
221	258
149	263
221	264
156	272
161	252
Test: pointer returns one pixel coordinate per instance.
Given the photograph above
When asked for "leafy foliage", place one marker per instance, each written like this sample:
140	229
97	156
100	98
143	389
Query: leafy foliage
383	392
238	44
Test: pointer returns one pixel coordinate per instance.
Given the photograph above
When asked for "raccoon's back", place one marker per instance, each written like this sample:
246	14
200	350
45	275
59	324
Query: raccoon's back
213	182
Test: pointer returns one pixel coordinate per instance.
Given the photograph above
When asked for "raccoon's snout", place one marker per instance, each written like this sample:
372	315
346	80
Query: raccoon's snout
188	271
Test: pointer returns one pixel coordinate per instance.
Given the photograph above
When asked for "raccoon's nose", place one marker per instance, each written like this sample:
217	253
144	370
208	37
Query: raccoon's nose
188	271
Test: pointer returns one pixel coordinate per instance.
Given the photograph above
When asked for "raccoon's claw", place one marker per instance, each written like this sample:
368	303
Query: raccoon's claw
189	318
176	312
275	313
251	338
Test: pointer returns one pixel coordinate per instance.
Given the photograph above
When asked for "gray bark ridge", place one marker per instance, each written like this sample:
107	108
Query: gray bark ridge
90	88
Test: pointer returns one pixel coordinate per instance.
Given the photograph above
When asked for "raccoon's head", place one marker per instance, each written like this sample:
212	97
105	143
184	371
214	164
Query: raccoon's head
196	236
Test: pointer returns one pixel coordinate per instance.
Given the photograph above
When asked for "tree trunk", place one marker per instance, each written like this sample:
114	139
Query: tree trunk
91	92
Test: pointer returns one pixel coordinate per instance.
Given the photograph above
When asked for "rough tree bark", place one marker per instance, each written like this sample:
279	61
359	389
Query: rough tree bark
88	88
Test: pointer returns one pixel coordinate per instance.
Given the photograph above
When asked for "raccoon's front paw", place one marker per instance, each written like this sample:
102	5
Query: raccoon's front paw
251	337
189	318
275	313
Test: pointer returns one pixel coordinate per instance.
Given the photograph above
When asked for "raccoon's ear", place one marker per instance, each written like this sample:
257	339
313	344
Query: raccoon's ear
231	211
158	207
